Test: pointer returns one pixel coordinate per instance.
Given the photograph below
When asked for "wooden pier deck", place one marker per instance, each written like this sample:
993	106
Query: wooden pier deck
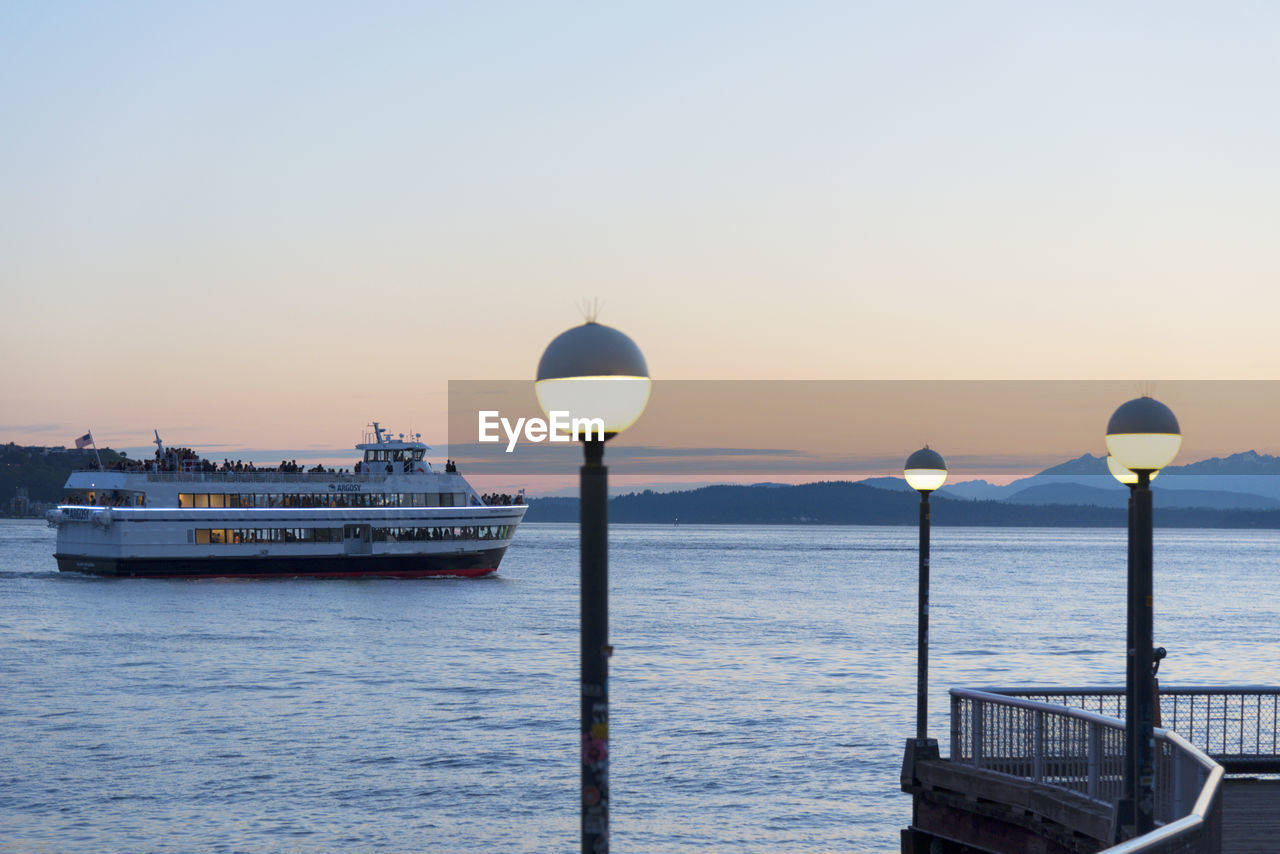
1038	771
1251	815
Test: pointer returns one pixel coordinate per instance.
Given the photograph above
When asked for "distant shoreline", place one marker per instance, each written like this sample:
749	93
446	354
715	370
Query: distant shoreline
845	503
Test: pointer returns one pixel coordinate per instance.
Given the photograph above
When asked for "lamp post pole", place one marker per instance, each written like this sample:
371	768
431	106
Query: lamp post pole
925	471
1124	813
594	652
922	625
1142	691
593	375
1143	437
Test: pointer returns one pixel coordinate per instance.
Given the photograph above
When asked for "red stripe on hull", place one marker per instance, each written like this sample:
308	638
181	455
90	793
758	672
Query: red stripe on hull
425	573
460	565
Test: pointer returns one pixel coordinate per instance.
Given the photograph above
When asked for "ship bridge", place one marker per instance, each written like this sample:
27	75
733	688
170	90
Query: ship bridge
398	454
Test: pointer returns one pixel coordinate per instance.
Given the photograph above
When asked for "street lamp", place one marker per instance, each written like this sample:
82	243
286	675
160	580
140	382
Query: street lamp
925	471
1142	436
594	376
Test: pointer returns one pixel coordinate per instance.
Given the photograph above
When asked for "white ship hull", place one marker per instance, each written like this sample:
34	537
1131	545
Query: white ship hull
405	521
243	543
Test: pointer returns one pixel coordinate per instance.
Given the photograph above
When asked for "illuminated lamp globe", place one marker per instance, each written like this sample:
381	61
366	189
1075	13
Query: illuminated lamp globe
1122	474
1143	435
592	372
925	470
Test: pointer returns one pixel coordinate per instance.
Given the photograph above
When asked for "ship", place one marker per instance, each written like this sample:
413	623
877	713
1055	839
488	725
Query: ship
392	514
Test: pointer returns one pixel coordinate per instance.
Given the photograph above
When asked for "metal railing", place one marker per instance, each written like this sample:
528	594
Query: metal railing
1082	751
1238	725
258	476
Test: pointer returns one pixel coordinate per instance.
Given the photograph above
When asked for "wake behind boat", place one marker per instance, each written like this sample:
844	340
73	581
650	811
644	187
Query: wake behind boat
180	516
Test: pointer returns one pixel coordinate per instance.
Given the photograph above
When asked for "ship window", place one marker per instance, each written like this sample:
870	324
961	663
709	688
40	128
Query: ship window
184	499
446	499
202	499
202	536
217	500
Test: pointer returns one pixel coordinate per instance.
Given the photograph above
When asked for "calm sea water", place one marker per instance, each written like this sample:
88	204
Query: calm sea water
762	686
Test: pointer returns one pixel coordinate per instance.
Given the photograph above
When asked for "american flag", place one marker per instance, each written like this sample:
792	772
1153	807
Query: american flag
86	439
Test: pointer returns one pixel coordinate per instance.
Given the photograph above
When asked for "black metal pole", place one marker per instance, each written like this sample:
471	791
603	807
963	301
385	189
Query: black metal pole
594	543
1124	811
922	629
1143	733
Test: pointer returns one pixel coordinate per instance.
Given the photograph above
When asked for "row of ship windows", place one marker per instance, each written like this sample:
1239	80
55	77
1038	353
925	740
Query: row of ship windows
322	499
241	536
107	498
406	455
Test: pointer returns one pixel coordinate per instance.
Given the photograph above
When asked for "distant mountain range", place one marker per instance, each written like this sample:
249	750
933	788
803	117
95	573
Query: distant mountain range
1239	491
1247	480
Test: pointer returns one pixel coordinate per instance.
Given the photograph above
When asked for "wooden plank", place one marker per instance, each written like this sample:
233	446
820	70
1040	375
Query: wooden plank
1250	815
999	812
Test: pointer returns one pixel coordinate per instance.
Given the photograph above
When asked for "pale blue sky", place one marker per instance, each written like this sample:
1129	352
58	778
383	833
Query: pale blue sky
272	222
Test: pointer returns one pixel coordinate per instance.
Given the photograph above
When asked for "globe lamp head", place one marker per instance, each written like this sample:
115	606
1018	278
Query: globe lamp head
593	372
925	470
1143	435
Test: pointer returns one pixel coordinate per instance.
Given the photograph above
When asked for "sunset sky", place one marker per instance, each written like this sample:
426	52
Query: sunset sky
263	225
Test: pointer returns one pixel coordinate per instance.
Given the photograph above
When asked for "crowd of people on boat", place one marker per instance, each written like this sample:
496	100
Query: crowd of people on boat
177	459
494	499
128	465
285	467
187	460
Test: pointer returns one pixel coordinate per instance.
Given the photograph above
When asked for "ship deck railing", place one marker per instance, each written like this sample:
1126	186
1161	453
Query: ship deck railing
259	476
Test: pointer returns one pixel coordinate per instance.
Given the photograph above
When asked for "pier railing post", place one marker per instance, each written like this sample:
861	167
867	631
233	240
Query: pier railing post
956	750
1037	762
975	734
1094	761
